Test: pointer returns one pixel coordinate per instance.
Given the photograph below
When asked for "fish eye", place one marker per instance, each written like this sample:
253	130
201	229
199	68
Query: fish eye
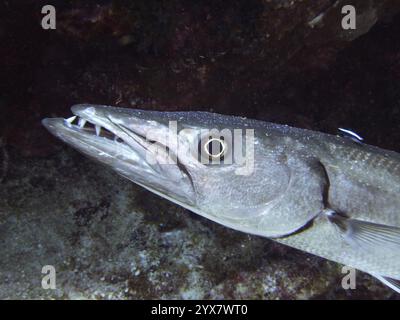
213	148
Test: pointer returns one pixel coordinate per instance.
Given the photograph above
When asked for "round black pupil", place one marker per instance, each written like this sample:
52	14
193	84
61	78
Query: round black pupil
214	147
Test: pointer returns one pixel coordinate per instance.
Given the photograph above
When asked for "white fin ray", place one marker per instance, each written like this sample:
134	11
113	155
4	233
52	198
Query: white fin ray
374	237
391	283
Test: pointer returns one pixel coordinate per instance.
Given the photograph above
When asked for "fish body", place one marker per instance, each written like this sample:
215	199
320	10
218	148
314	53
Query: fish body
320	193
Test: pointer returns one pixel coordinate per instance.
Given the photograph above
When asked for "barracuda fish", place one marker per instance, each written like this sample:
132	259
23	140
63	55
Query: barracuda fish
323	194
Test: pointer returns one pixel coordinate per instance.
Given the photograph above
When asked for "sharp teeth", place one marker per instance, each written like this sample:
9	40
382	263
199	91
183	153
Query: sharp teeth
70	120
98	128
81	122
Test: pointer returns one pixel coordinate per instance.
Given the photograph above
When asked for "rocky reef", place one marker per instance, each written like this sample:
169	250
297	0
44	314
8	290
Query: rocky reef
283	61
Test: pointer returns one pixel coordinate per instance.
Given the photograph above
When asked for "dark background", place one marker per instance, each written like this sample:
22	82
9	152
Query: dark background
256	58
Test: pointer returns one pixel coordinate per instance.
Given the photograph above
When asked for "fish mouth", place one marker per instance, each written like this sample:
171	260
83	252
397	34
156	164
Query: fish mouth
84	129
117	137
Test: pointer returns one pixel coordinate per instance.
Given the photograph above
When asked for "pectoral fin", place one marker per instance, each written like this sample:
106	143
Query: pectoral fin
380	240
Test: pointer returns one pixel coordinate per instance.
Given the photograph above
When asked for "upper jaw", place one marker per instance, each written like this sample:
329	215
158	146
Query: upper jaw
117	138
86	131
101	125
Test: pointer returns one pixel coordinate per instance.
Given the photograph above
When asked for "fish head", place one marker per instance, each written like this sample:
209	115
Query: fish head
202	161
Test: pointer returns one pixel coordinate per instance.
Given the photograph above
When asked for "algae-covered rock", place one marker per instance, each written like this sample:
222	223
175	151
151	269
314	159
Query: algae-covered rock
109	239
